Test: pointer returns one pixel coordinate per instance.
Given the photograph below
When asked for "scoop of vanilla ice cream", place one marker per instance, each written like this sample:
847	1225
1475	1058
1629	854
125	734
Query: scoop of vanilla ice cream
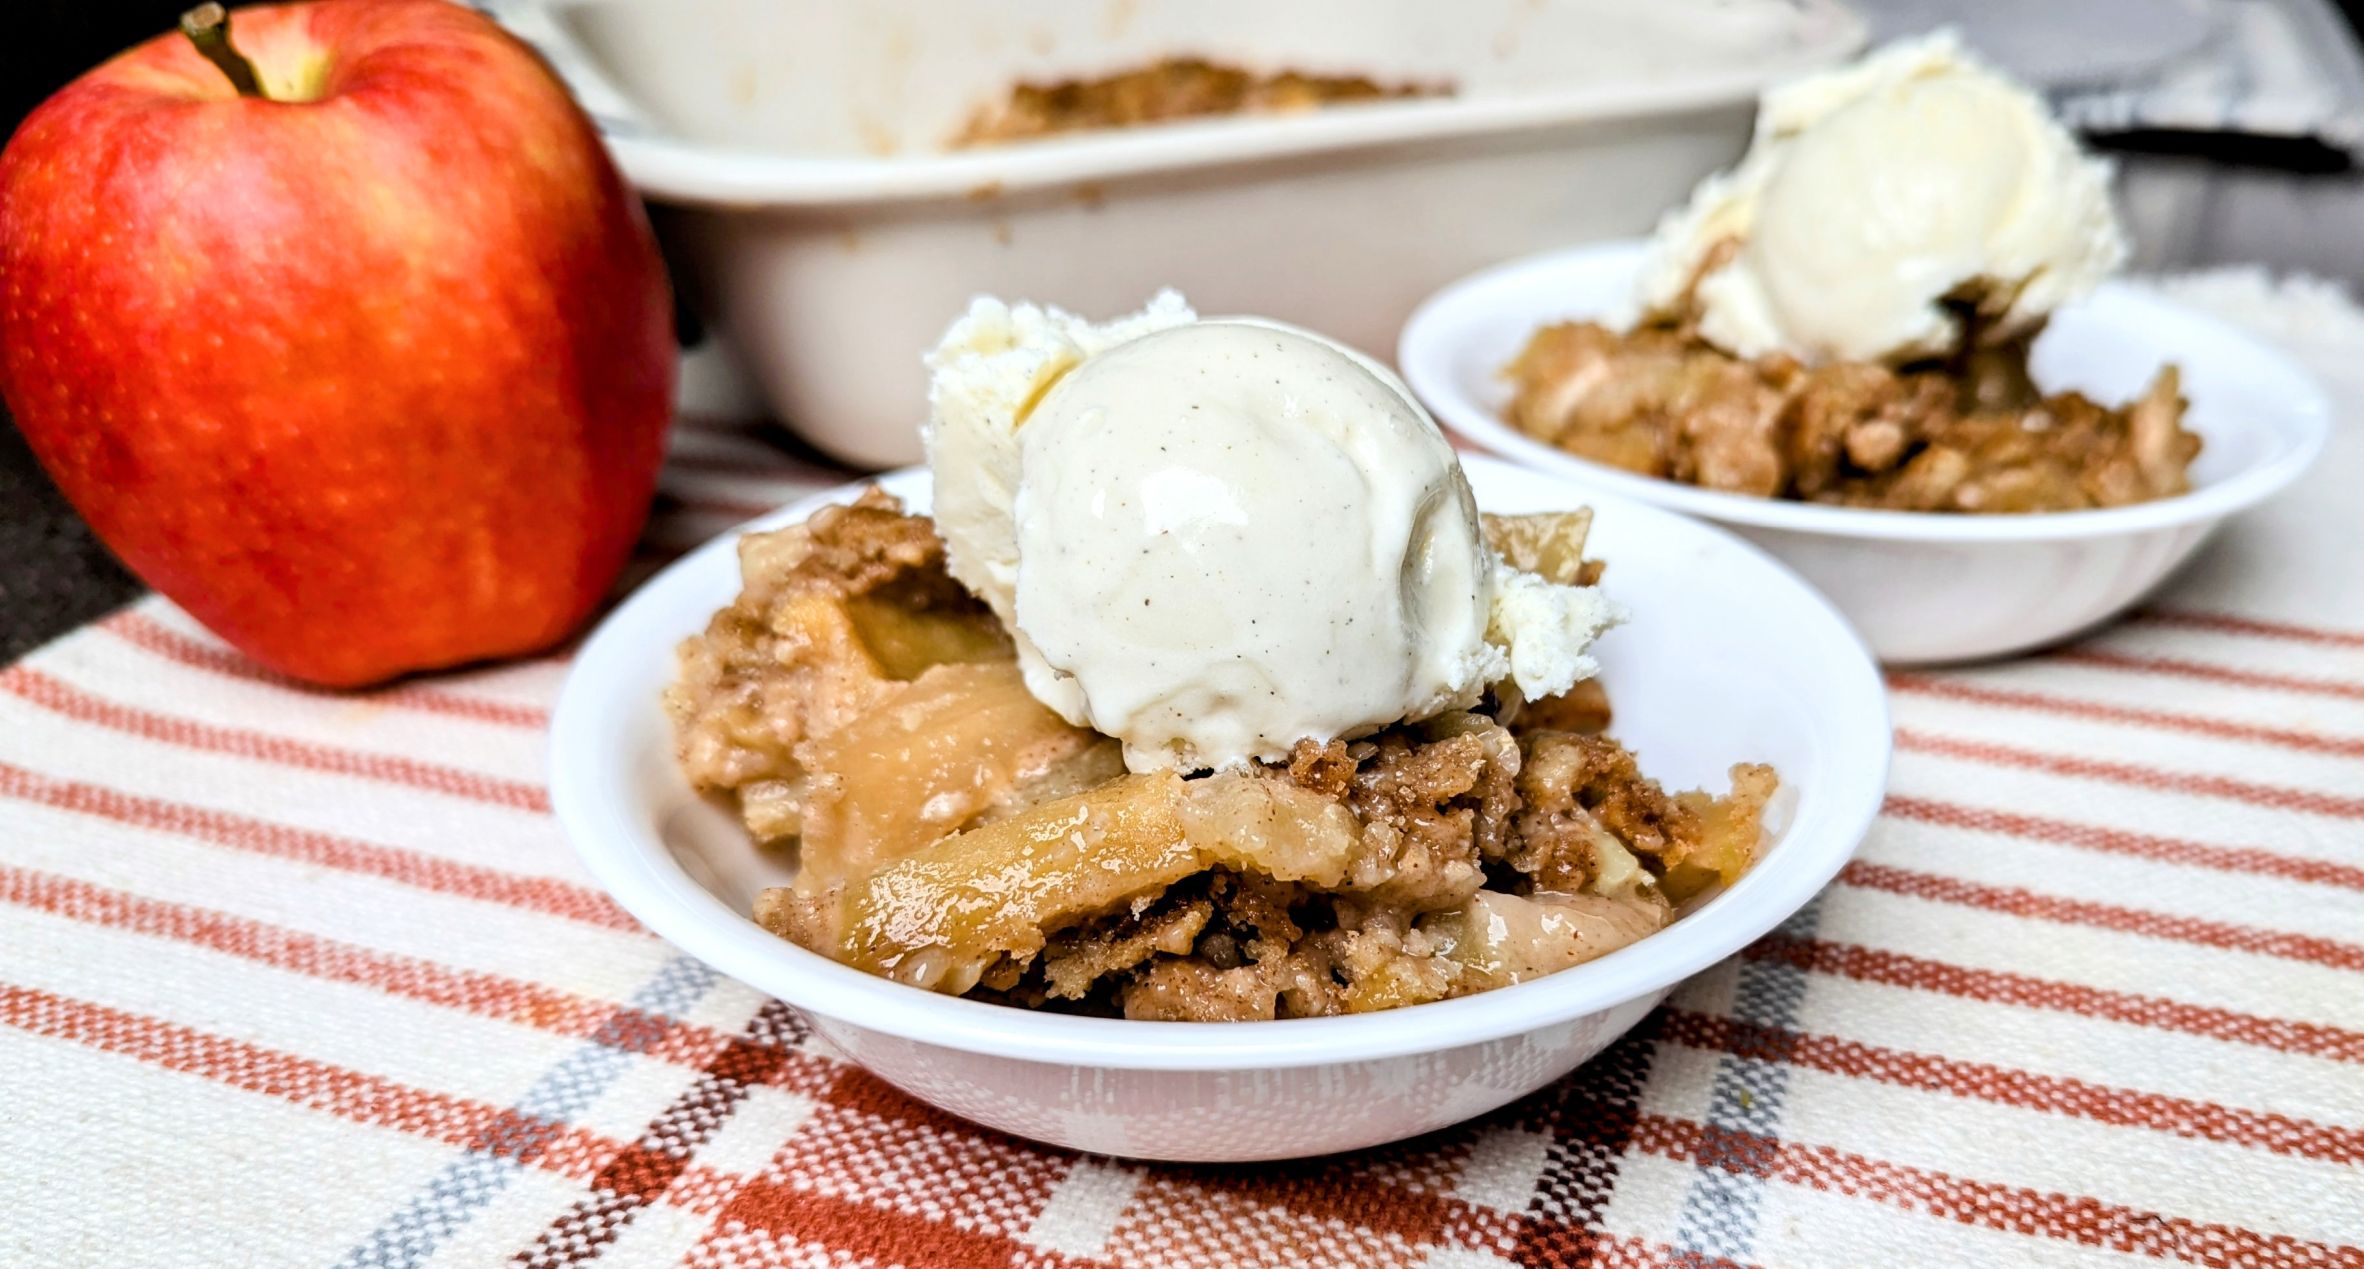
1873	193
984	376
1213	539
1232	536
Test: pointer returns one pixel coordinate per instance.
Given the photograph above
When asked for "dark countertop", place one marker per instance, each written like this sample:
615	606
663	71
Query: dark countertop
54	575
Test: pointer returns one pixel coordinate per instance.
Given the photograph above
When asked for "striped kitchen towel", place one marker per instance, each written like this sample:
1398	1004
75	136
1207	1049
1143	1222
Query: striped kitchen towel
293	978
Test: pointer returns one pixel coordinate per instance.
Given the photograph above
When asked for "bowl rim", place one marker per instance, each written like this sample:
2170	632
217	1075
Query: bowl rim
639	872
1439	331
681	169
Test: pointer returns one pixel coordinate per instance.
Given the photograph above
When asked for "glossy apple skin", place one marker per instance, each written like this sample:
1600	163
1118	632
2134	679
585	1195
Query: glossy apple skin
369	383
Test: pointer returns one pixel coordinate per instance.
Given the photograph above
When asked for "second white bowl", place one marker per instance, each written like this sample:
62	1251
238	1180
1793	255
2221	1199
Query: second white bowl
1921	587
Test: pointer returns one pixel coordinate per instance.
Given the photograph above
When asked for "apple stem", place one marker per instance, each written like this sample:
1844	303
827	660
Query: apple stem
208	27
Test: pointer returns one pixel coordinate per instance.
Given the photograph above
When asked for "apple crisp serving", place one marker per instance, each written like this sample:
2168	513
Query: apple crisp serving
953	834
1170	89
1968	433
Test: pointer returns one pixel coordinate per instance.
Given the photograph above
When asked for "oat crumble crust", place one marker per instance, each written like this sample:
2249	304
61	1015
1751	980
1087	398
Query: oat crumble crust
1166	90
1970	433
954	834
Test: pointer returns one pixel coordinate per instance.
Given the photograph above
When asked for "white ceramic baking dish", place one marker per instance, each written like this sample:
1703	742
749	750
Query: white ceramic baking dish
833	237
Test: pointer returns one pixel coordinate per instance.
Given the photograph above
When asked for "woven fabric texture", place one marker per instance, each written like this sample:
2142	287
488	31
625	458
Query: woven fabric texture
309	979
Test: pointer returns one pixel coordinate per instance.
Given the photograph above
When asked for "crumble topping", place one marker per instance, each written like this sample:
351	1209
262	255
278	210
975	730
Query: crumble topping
956	835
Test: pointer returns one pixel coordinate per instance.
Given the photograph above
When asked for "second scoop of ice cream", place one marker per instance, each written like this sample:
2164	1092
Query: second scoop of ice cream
1879	202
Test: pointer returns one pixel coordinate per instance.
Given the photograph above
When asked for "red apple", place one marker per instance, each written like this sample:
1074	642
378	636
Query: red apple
371	372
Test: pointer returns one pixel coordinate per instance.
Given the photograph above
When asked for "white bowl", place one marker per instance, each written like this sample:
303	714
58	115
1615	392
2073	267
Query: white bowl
1922	587
830	237
1728	658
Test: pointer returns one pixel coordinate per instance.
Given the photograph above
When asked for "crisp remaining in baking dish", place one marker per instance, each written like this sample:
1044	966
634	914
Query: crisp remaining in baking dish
1166	90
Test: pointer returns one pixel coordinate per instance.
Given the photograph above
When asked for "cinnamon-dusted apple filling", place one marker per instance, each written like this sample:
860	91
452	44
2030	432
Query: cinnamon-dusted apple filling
955	835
